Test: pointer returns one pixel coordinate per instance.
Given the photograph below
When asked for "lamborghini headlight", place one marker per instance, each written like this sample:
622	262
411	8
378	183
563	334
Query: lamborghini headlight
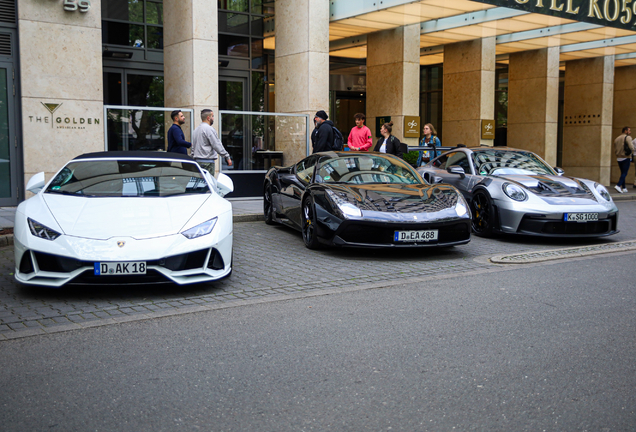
200	230
600	189
42	231
345	207
514	192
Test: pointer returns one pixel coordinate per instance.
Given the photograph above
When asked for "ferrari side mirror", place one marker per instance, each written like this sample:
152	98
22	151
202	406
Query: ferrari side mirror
36	183
559	171
456	169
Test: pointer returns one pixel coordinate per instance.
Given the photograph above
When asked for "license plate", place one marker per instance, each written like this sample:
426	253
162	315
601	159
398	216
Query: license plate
580	217
120	268
415	236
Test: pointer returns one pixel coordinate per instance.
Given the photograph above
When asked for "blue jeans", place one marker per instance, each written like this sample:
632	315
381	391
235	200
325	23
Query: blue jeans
624	166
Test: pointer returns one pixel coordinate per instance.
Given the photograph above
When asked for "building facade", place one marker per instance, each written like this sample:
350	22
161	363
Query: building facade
557	77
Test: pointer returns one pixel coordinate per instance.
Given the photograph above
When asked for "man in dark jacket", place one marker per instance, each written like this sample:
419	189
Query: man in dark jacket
176	138
322	136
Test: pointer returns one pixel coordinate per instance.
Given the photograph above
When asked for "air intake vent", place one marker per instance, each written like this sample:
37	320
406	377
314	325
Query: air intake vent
5	44
7	11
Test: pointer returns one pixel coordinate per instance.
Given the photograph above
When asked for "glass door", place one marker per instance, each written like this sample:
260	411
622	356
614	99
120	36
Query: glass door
235	128
8	146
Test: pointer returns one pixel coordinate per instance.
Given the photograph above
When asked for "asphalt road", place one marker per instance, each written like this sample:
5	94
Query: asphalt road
538	347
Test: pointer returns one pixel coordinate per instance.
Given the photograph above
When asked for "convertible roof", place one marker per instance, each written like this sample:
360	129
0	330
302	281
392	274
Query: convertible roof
135	154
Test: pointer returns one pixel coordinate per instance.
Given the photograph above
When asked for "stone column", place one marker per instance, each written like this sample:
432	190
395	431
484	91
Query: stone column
191	57
469	91
587	118
533	102
624	113
393	78
62	84
302	66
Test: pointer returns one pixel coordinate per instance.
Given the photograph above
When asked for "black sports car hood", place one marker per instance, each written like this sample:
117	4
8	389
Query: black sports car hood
395	198
553	188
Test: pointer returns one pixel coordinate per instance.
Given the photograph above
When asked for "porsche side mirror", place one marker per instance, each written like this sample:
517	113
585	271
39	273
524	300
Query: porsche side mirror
36	183
456	169
224	184
559	171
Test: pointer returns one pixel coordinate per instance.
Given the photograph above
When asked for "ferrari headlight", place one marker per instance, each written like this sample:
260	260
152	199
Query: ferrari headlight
345	207
600	189
42	231
514	192
200	230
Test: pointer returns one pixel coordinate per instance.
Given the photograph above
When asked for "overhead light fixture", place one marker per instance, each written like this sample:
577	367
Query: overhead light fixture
117	54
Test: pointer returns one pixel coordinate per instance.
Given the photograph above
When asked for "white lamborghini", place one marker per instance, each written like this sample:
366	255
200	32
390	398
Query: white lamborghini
125	217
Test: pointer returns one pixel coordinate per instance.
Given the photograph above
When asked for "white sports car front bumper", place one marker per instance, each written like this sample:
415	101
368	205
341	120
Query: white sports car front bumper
172	258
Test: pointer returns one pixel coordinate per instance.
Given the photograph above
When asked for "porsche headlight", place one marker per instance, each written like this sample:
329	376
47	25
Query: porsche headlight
42	231
345	207
200	230
600	189
514	192
461	208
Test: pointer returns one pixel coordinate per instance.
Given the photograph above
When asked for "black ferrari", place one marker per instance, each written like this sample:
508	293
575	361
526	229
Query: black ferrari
363	199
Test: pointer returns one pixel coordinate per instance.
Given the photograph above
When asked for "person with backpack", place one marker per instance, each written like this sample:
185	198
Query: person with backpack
623	149
322	137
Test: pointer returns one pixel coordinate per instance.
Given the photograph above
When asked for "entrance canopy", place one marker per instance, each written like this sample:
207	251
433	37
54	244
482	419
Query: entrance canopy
581	28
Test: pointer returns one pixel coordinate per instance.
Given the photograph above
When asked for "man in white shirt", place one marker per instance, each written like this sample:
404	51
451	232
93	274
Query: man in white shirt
206	145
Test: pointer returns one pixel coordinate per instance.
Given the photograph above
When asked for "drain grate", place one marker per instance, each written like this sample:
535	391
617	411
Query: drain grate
553	254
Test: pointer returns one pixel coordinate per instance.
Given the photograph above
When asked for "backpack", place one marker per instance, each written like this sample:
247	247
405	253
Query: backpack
338	140
626	148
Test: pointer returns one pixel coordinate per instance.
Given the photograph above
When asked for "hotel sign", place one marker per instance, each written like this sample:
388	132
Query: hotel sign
612	13
488	129
411	127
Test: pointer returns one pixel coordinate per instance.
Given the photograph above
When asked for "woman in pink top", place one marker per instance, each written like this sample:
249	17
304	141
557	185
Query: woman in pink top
360	136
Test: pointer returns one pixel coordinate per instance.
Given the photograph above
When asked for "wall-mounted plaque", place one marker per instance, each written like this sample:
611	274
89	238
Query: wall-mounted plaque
488	129
379	121
411	127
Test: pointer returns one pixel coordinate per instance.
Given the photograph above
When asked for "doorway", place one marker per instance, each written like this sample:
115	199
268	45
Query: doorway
346	105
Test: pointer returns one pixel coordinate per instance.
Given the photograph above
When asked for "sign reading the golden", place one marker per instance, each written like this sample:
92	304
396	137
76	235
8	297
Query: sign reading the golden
613	13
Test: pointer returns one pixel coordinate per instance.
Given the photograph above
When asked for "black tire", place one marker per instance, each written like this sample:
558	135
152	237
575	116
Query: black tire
308	224
483	214
268	208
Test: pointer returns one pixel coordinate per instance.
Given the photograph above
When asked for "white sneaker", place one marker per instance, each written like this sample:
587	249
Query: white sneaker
625	190
618	188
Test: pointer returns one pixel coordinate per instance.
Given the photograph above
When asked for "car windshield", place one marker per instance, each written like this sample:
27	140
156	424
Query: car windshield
506	162
129	178
366	169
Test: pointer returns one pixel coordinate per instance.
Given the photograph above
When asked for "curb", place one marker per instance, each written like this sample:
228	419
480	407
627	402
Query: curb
563	253
623	197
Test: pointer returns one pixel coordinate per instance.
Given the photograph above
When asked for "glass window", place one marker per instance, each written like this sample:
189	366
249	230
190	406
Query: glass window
234	23
155	37
117	33
365	170
123	10
154	13
129	178
502	162
234	46
305	169
5	158
235	5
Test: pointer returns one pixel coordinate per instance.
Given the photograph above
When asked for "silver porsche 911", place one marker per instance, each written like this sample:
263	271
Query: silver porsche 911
515	191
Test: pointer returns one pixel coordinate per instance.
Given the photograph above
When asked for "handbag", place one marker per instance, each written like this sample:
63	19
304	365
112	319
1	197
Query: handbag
626	148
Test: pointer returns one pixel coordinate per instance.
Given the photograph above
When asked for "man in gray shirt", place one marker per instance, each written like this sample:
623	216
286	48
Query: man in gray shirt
206	145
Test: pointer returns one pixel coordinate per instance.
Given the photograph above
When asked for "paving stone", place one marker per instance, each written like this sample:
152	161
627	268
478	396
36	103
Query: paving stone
258	274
